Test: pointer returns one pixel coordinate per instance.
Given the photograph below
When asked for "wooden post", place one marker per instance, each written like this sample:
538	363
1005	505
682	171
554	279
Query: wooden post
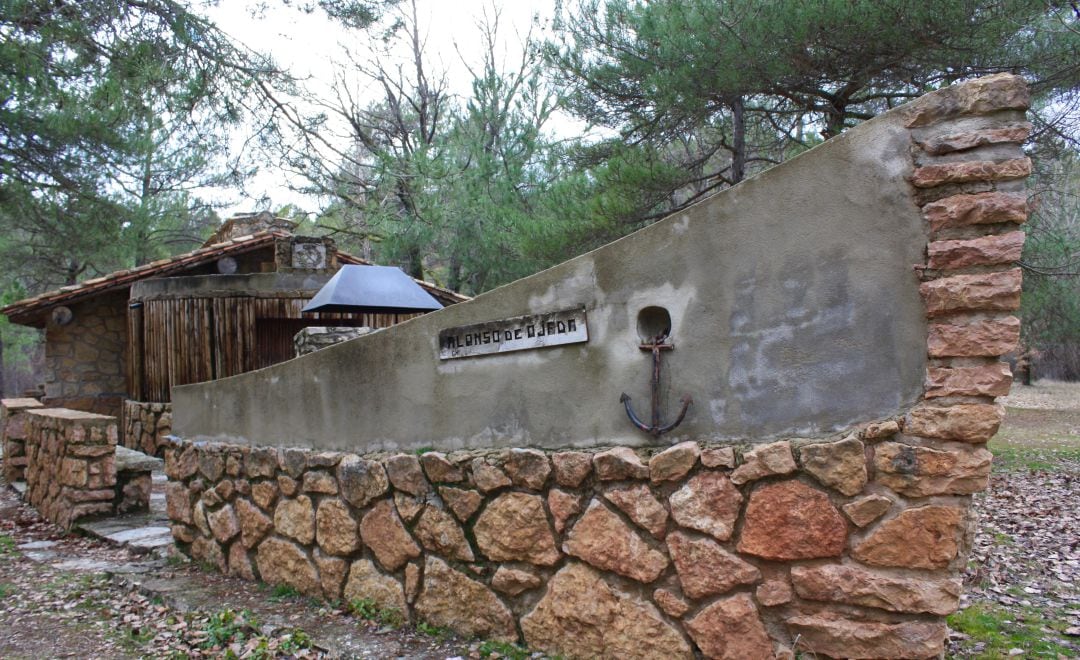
135	342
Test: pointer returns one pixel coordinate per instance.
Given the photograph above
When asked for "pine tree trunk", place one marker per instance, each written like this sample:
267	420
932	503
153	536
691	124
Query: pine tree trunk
738	140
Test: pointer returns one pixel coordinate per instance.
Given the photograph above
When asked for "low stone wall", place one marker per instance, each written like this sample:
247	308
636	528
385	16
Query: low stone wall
13	423
74	468
315	338
853	547
146	426
70	472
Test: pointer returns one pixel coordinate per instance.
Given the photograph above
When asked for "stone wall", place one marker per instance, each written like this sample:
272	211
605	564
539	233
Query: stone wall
71	471
853	546
86	359
13	430
146	426
848	543
315	338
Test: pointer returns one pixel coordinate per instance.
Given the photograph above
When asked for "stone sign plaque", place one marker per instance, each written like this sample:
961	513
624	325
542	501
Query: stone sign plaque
516	334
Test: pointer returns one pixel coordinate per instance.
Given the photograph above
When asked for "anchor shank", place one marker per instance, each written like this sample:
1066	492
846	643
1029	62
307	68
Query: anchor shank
656	386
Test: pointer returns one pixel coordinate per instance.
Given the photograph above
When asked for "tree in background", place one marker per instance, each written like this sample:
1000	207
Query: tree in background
1051	262
720	90
442	185
115	115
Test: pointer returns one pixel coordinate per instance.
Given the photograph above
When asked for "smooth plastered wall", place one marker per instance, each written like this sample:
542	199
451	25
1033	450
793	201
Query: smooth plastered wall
794	305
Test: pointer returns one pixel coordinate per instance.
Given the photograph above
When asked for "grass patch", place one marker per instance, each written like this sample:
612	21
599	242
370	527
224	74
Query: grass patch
283	592
423	450
1014	458
226	627
7	545
503	650
296	641
369	610
440	632
6	590
1001	630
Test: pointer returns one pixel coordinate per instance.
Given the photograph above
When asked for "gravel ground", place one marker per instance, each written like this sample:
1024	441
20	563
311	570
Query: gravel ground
1044	395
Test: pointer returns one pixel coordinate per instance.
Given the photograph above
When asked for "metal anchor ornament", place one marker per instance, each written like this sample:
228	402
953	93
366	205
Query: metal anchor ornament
656	429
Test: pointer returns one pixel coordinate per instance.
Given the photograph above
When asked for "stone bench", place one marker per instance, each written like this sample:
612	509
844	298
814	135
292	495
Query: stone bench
75	470
133	479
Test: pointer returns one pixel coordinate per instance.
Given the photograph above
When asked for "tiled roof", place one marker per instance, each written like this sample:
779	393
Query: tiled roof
25	310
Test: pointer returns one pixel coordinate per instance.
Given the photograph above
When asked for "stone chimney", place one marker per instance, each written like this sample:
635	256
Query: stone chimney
245	224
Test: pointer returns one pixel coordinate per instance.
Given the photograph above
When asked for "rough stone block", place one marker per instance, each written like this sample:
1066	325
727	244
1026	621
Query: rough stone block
439	468
527	468
582	615
866	510
295	518
976	209
966	422
951	142
929	176
765	461
839	465
983	96
335	529
366	582
638	502
361	481
705	568
984	380
462	502
730	629
996	291
602	539
571	468
709	503
283	562
406	474
382	531
854	585
674	463
790	520
451	598
982	338
514	527
438	532
487	477
839	636
618	464
513	581
563	506
924	537
924	471
991	250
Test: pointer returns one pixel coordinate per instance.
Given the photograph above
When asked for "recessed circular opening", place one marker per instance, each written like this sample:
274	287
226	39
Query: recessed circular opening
653	323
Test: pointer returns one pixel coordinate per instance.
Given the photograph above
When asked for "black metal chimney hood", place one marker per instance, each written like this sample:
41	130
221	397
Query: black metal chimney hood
374	290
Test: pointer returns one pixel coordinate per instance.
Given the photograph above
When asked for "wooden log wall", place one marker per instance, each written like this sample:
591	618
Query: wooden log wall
177	341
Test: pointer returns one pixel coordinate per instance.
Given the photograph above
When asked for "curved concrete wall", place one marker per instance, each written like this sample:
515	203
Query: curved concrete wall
795	311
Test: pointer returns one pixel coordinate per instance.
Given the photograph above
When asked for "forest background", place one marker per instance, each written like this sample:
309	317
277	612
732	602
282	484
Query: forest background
122	123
